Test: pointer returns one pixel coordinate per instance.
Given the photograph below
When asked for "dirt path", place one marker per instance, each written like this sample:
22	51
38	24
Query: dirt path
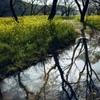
88	31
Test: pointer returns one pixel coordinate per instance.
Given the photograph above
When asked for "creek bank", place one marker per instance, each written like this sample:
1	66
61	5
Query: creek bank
30	41
33	77
44	57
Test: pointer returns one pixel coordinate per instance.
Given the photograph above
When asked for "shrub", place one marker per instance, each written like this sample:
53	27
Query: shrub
25	42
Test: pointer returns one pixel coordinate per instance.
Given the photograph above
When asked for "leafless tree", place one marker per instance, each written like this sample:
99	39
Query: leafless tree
53	10
13	12
45	5
33	6
25	88
96	4
82	8
68	7
1	97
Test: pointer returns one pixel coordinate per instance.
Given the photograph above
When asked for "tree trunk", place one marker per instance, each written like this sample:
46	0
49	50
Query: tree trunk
68	13
44	10
1	97
13	12
82	11
98	11
82	17
53	10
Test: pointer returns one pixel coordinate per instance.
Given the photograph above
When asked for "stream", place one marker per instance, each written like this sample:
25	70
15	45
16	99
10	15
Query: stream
27	84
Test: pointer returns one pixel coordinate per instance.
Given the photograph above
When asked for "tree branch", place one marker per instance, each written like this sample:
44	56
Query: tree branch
13	12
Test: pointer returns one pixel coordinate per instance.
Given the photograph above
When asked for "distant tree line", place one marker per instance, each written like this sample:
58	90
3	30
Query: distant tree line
35	7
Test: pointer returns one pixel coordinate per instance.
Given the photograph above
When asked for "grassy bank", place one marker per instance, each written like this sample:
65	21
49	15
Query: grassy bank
93	21
25	43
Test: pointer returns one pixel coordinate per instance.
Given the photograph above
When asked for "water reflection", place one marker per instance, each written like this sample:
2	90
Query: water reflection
31	84
94	50
1	96
11	90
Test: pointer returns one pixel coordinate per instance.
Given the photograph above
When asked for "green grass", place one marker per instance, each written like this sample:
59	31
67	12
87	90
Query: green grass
65	17
26	42
93	21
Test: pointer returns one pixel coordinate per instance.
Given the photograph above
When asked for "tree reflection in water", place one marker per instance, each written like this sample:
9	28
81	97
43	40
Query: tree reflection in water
1	96
25	88
70	76
90	90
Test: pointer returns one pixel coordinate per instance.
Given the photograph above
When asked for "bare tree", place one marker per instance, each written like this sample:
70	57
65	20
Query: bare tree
45	6
96	4
25	9
65	83
20	7
13	12
82	8
33	6
68	7
96	1
1	97
53	10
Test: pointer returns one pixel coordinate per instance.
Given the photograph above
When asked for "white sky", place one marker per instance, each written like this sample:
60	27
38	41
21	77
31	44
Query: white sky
49	1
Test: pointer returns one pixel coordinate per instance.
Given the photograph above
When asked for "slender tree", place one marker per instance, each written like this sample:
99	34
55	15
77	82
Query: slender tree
83	9
53	10
13	12
69	5
45	6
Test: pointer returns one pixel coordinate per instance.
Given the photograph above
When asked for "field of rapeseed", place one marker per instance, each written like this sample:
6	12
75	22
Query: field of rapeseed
23	43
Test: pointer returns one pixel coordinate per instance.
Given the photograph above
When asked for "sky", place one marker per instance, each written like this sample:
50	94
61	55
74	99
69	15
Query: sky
49	1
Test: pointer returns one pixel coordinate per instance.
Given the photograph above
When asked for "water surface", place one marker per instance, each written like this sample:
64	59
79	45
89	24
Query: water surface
33	79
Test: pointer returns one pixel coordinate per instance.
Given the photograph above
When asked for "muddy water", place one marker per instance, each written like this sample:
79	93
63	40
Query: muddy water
29	83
